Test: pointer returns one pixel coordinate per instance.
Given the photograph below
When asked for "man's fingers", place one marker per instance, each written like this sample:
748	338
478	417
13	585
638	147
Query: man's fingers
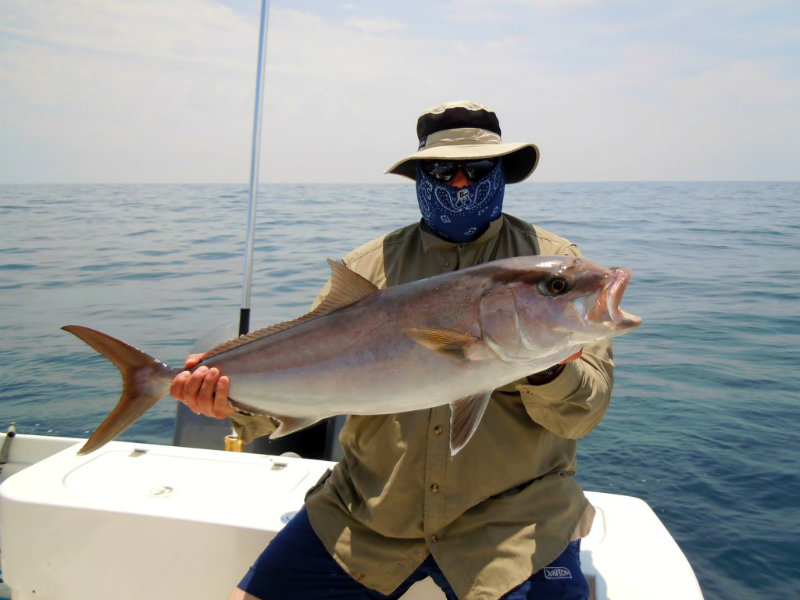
203	391
205	394
192	388
176	388
222	407
192	360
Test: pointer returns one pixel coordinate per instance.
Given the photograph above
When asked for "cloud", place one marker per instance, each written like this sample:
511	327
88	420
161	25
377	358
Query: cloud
480	11
153	91
380	25
114	90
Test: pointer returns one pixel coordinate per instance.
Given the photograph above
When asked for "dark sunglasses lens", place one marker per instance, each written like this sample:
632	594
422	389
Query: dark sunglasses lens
475	169
443	170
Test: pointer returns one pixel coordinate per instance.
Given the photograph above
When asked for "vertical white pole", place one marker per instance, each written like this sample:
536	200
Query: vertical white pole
244	314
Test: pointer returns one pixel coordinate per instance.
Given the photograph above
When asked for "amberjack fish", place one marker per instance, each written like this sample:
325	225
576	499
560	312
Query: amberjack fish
448	339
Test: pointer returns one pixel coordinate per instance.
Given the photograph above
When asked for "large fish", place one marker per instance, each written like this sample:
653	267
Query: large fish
452	338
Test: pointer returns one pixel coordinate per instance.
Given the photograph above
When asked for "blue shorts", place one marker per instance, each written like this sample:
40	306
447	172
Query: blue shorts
295	564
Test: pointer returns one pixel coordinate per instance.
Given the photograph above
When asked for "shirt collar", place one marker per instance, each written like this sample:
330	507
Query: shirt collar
429	240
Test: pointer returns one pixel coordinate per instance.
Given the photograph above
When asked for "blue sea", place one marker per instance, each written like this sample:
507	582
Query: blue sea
703	423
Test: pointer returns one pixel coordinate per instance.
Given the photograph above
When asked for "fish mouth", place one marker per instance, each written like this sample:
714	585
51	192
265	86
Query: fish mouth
607	310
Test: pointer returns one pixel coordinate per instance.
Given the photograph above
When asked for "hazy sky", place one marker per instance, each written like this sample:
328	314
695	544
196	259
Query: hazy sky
162	90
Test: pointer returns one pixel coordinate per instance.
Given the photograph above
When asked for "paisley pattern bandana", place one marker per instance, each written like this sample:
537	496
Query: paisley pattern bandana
460	215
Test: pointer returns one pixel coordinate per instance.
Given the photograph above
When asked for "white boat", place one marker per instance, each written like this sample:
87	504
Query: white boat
152	521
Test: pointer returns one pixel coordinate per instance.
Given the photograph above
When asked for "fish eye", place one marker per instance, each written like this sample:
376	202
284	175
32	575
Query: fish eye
555	286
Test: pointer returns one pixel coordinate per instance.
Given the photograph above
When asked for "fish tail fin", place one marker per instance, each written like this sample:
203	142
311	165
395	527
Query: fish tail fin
145	380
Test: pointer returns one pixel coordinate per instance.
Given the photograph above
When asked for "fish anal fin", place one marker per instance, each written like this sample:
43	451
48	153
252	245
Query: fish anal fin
446	341
465	416
291	424
347	287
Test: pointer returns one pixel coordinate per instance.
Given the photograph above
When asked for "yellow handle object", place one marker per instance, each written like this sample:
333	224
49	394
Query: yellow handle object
233	443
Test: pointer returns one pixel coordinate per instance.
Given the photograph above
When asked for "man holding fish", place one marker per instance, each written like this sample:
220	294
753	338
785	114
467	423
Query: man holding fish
482	500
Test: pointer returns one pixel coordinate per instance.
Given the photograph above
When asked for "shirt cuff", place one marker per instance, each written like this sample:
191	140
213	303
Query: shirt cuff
554	391
250	427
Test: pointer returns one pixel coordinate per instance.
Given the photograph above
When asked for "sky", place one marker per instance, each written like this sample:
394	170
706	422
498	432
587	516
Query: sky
154	91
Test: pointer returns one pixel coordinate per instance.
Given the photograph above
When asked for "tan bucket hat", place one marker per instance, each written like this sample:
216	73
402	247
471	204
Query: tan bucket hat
466	130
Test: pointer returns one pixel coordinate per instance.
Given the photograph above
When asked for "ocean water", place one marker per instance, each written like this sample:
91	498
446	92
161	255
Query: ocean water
703	422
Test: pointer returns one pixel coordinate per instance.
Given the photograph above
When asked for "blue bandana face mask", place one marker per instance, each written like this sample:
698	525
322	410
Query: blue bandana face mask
460	215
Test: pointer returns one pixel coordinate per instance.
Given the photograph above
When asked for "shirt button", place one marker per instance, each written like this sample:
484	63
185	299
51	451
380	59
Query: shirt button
446	263
433	539
437	430
435	488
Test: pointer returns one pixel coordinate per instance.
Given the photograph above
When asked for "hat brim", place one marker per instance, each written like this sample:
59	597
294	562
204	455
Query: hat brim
519	160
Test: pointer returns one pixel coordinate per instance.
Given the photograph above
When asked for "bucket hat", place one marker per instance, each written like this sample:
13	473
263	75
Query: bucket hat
466	130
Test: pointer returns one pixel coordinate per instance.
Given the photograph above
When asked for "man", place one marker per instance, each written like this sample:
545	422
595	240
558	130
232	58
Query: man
483	523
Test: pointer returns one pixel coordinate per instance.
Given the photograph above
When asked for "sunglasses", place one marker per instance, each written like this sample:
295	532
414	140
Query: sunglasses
445	170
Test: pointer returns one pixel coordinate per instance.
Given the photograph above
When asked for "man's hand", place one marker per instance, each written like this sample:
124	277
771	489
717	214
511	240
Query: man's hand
550	374
203	391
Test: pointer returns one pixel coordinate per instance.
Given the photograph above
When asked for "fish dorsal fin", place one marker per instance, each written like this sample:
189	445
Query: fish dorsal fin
446	341
465	416
347	287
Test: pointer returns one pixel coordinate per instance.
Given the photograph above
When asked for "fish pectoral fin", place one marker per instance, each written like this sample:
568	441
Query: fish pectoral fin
465	415
447	341
291	424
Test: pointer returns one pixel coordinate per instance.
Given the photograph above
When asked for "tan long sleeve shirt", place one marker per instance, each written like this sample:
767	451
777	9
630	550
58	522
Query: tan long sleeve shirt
502	508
